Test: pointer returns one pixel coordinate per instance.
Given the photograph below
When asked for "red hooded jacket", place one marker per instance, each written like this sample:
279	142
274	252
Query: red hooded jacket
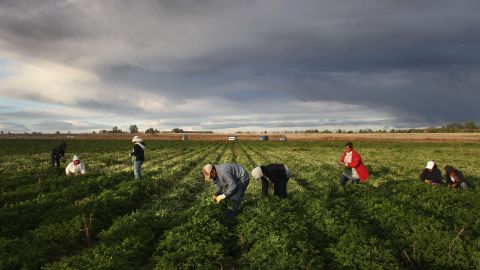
357	164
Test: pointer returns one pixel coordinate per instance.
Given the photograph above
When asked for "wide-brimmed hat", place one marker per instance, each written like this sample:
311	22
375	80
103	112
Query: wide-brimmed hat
75	158
137	139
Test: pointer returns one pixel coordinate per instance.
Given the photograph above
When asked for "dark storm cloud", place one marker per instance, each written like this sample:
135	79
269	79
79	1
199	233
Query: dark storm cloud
295	124
417	60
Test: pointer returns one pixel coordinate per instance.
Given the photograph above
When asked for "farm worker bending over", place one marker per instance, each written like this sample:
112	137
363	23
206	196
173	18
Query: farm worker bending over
455	178
58	153
231	176
138	156
76	167
431	174
354	168
276	174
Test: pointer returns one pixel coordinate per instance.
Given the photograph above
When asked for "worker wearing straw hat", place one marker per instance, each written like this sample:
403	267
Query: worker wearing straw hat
138	156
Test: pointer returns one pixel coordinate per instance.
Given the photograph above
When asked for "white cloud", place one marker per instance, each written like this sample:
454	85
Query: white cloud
214	64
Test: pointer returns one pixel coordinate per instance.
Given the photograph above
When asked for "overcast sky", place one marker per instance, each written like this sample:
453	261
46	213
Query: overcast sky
82	65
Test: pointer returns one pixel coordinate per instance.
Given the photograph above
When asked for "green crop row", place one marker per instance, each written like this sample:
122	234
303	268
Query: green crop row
106	220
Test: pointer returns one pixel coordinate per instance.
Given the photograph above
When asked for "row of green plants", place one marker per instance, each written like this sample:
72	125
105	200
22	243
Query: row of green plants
56	236
393	220
202	240
129	241
108	221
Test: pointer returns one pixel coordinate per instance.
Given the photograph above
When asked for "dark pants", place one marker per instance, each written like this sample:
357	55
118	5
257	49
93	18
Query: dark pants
345	177
55	159
280	188
236	199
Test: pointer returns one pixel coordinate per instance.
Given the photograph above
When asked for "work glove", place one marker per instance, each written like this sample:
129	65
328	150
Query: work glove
219	198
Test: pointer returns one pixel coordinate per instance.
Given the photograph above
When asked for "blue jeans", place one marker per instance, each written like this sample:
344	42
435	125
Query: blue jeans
345	177
136	168
236	199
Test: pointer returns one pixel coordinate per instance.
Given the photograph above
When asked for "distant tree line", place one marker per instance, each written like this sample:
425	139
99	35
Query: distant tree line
466	127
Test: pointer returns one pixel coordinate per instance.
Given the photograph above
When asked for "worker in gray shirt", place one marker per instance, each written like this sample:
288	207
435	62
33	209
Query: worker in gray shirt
231	176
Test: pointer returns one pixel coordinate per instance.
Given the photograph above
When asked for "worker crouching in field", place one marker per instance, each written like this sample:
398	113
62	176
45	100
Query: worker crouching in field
455	178
138	156
75	167
231	176
276	174
58	153
354	171
431	174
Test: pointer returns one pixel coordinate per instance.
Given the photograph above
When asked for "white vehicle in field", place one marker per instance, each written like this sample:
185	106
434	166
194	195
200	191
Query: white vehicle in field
233	138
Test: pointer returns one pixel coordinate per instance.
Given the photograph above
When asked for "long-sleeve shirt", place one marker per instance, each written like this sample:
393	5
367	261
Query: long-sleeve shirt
75	169
435	175
448	172
59	151
356	163
138	152
232	176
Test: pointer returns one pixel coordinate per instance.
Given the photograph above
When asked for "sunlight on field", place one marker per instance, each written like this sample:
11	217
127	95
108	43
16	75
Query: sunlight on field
108	220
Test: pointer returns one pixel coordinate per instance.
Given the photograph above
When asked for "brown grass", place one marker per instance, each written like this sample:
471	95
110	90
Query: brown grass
419	137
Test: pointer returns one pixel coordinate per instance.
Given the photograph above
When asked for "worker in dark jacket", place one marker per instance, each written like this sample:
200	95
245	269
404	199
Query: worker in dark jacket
58	153
454	178
276	174
138	156
431	174
231	176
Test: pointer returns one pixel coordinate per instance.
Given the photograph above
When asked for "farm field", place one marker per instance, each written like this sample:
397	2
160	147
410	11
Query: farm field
108	220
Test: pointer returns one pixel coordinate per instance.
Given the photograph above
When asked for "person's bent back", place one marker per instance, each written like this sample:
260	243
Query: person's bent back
454	178
431	174
276	174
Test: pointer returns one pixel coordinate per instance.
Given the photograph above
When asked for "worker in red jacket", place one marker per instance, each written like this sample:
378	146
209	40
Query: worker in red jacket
354	168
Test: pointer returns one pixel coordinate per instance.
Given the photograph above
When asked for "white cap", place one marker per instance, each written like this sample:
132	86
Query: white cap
430	164
207	169
75	157
257	173
137	139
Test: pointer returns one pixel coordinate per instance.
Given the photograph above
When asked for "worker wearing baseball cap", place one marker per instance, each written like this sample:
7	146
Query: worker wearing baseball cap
431	174
232	177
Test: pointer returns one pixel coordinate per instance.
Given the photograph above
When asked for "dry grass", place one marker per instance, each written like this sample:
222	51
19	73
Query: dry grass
420	137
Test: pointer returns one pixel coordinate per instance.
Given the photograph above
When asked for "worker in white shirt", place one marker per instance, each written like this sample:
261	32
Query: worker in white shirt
75	167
